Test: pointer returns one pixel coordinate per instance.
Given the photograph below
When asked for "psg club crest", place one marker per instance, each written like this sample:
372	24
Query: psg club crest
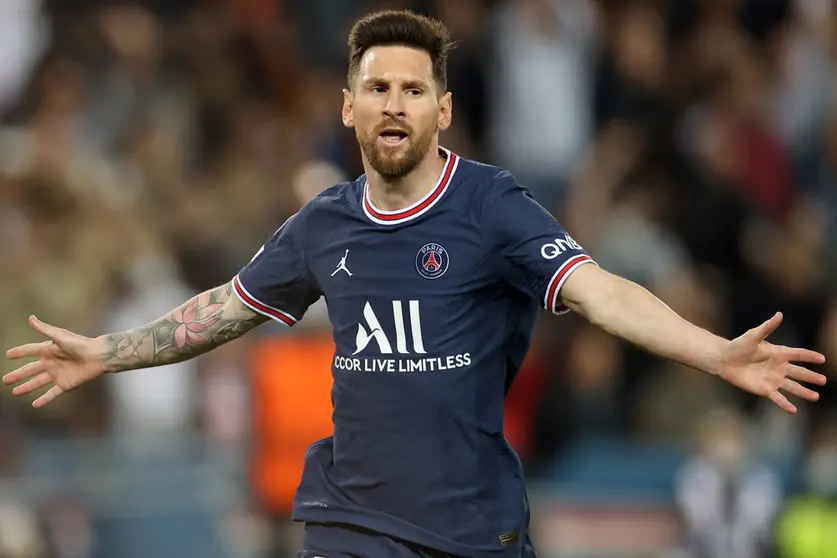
432	261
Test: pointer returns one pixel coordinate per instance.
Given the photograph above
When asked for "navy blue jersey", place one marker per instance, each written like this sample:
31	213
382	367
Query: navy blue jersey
433	309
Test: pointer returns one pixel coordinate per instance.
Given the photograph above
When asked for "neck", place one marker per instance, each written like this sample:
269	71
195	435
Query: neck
400	193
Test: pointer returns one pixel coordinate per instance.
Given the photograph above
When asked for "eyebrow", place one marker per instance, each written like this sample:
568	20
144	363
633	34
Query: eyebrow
409	84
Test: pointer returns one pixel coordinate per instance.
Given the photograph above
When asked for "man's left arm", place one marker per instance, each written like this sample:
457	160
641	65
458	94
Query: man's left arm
749	362
536	255
629	311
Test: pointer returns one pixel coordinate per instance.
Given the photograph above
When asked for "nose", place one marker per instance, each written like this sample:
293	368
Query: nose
394	107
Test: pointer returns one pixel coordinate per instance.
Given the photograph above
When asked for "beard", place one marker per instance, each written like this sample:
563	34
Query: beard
397	161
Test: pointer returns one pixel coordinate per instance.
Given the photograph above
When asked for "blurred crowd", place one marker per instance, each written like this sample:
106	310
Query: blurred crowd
149	147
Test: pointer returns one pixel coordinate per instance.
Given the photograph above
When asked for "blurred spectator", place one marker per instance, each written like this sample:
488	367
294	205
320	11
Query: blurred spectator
162	400
20	534
68	528
542	72
24	36
631	78
727	498
806	526
468	75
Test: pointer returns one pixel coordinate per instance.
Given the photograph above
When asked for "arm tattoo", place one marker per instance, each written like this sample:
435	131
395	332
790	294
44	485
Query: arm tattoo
203	323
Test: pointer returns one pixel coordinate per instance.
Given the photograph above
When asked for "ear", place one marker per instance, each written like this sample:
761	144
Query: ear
445	111
348	112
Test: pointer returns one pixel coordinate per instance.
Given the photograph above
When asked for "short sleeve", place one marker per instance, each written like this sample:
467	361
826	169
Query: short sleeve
277	282
534	253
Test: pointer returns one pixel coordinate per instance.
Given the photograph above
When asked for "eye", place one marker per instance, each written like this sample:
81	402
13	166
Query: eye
377	89
414	92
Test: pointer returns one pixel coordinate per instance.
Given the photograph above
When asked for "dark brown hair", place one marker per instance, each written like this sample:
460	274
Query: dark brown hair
401	28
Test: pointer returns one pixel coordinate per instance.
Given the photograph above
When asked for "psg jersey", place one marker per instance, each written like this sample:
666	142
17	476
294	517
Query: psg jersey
433	309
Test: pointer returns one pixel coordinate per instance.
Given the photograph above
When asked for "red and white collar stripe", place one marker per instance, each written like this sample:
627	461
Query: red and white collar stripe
420	207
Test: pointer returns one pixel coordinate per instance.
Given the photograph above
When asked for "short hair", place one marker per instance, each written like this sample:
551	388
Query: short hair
401	28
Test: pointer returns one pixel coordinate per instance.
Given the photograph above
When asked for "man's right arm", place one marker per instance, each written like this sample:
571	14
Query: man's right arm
275	284
205	322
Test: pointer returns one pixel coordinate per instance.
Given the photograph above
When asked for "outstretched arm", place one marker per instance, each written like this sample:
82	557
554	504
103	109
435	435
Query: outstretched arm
749	362
67	360
203	323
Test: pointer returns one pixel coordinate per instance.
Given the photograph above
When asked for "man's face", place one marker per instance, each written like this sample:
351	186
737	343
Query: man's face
395	108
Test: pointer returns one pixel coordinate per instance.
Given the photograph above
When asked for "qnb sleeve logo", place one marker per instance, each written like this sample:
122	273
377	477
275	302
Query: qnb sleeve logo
374	332
552	250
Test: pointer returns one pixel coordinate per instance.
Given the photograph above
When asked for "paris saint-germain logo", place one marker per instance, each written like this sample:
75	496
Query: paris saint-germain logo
432	261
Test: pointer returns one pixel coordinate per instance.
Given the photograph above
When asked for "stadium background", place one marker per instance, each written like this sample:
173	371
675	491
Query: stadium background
148	148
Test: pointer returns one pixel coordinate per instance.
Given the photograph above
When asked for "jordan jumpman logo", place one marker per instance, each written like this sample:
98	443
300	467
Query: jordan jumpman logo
342	265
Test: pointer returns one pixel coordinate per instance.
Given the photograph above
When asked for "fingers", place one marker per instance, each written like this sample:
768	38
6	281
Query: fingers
45	329
783	403
39	349
768	327
31	350
41	380
804	375
792	354
48	397
796	389
799	391
23	373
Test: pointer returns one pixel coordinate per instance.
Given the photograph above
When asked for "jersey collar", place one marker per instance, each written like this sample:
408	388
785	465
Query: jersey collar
420	207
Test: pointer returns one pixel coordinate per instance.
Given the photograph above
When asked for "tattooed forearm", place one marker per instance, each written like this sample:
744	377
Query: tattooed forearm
207	321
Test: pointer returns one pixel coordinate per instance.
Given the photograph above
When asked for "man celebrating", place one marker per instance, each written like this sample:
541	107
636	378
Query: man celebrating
450	261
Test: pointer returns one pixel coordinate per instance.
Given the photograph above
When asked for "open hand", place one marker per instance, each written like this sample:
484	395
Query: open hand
65	361
754	365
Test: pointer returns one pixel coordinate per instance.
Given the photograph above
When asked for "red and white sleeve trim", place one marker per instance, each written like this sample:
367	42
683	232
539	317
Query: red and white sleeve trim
551	300
254	304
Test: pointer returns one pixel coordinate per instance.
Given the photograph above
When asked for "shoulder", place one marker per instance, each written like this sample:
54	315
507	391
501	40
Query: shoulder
333	198
485	183
338	196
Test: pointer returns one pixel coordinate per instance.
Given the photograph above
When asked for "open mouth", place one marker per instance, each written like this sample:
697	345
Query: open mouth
393	136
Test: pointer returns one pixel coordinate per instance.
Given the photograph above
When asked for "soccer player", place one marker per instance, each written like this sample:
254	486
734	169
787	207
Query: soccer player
433	268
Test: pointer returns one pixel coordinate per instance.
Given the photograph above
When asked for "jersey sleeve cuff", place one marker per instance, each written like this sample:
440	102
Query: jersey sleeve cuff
552	299
257	306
